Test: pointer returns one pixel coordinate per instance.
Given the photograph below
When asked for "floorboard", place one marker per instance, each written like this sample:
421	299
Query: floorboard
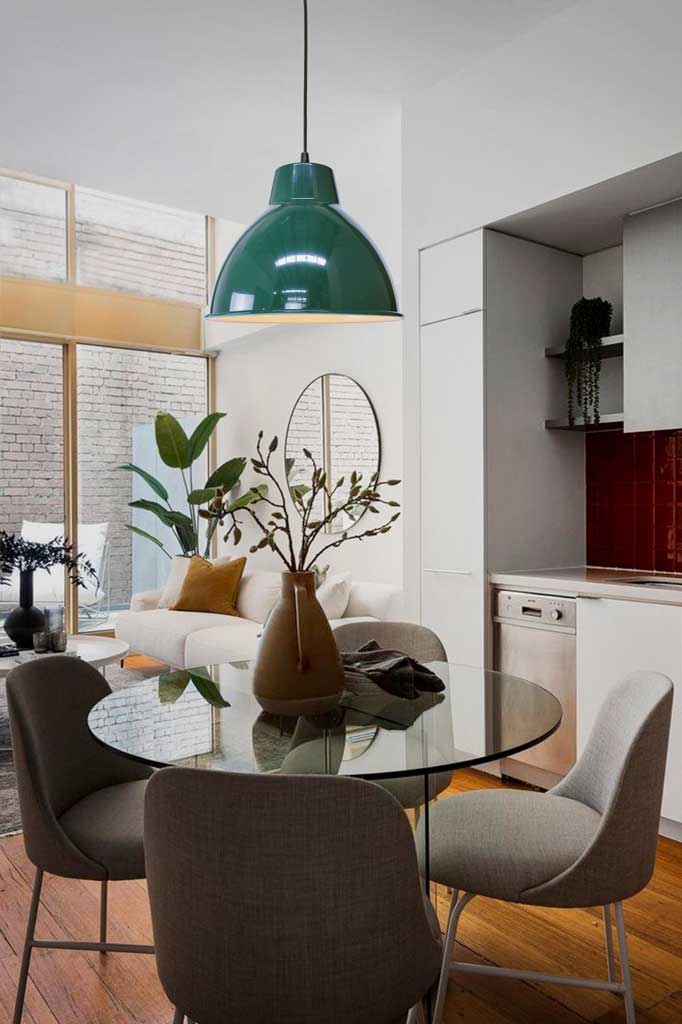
88	988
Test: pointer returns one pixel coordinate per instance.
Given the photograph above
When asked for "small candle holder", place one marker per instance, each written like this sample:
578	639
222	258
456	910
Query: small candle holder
41	641
58	640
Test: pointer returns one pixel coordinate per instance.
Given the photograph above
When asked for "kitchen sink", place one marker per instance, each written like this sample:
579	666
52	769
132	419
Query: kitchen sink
668	582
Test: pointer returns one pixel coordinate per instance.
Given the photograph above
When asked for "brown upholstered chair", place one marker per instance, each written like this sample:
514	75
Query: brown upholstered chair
82	805
286	898
589	842
416	642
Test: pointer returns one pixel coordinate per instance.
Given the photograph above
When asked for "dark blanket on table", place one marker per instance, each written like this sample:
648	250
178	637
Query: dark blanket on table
393	671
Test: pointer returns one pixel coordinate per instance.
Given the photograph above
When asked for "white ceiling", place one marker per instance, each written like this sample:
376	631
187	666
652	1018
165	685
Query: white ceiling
193	104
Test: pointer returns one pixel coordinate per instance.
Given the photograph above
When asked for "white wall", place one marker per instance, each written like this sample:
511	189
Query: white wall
587	95
258	382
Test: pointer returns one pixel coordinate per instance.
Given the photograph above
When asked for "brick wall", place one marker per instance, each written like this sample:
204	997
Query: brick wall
117	389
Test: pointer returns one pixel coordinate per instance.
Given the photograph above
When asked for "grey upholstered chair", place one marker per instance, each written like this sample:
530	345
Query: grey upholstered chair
590	841
286	898
423	645
82	805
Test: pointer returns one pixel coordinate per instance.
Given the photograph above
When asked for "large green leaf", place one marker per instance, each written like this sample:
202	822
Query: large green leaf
187	536
227	475
148	536
252	495
155	484
168	516
207	687
201	434
173	684
172	442
201	495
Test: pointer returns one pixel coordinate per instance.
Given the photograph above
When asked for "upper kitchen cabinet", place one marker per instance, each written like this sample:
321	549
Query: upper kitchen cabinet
652	262
451	278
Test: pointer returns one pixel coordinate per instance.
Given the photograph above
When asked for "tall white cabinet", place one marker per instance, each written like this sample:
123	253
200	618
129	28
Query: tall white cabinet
452	483
498	491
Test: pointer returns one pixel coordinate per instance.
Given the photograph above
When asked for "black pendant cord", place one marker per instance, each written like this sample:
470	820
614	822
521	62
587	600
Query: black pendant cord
305	158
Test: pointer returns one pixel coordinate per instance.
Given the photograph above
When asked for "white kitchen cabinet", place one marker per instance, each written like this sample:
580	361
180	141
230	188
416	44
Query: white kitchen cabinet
652	312
451	278
615	638
452	485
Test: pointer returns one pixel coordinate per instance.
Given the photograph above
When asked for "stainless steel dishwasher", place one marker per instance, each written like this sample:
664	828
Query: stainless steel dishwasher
534	637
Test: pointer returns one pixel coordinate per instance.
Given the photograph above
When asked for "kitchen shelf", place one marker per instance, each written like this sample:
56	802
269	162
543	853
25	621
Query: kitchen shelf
609	421
611	348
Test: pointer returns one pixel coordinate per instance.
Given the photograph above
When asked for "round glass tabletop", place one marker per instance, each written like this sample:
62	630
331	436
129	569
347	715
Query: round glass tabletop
479	716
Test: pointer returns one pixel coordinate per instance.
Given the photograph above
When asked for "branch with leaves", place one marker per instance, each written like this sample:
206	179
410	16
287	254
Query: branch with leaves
275	524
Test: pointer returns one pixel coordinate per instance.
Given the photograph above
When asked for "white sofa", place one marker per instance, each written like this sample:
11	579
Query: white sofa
190	639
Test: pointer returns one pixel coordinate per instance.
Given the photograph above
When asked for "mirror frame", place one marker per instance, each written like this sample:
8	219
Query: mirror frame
320	377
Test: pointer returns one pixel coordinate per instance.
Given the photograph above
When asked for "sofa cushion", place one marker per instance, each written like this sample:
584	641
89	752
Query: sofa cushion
162	633
176	577
333	595
235	640
257	595
210	588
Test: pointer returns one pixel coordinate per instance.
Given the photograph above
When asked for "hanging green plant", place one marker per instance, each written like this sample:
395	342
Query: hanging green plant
590	322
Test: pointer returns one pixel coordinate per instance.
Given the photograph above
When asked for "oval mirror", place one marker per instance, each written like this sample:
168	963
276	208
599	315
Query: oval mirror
335	421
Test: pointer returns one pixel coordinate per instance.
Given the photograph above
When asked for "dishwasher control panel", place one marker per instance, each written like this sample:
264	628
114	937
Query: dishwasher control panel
535	609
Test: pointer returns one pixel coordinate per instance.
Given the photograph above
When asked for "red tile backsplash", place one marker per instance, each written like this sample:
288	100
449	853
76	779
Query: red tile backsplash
634	500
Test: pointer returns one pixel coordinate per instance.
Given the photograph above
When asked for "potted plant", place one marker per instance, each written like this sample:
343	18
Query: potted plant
178	451
590	322
26	556
298	668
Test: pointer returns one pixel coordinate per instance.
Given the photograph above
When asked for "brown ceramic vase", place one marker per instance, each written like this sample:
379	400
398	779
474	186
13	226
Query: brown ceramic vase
298	668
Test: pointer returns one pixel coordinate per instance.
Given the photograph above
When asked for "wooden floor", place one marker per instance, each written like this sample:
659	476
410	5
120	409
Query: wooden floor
87	988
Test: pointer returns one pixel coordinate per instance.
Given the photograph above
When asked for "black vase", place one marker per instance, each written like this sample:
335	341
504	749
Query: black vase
22	622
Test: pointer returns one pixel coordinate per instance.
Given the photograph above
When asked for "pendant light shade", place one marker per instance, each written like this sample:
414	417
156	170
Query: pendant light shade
304	260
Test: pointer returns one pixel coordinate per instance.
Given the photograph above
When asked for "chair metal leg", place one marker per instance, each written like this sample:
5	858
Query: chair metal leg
630	1015
608	939
457	905
28	947
103	901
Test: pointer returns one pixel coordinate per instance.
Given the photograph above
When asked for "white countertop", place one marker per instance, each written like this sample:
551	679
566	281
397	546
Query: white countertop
591	581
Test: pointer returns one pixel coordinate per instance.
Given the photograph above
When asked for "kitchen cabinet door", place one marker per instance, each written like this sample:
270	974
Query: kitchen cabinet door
451	278
452	445
652	369
452	485
615	638
454	608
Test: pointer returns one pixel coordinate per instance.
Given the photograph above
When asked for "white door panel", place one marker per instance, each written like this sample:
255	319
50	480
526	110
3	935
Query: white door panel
451	276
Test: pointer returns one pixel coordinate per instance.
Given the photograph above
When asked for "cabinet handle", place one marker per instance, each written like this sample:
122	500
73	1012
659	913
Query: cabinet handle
451	572
590	597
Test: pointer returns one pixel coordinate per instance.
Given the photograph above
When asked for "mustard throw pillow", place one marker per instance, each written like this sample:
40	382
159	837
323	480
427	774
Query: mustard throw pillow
209	587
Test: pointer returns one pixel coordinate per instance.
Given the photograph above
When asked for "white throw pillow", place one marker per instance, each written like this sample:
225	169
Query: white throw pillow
334	595
176	577
258	593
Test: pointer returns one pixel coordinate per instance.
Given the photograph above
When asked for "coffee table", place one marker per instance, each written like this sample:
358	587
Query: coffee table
97	650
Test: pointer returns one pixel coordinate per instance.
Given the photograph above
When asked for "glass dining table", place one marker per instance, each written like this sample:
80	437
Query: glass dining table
216	723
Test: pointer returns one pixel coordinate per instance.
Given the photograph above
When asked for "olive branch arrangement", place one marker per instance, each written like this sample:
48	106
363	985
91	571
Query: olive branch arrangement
590	322
276	526
28	555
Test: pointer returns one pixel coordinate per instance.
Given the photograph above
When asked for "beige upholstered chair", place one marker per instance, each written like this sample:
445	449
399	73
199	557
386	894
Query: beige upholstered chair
286	898
416	642
590	841
82	805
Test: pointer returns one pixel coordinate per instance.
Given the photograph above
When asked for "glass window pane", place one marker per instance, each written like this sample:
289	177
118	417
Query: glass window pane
32	463
120	392
32	230
131	246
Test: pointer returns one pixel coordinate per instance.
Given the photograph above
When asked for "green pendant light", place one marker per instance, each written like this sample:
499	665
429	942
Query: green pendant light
304	260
